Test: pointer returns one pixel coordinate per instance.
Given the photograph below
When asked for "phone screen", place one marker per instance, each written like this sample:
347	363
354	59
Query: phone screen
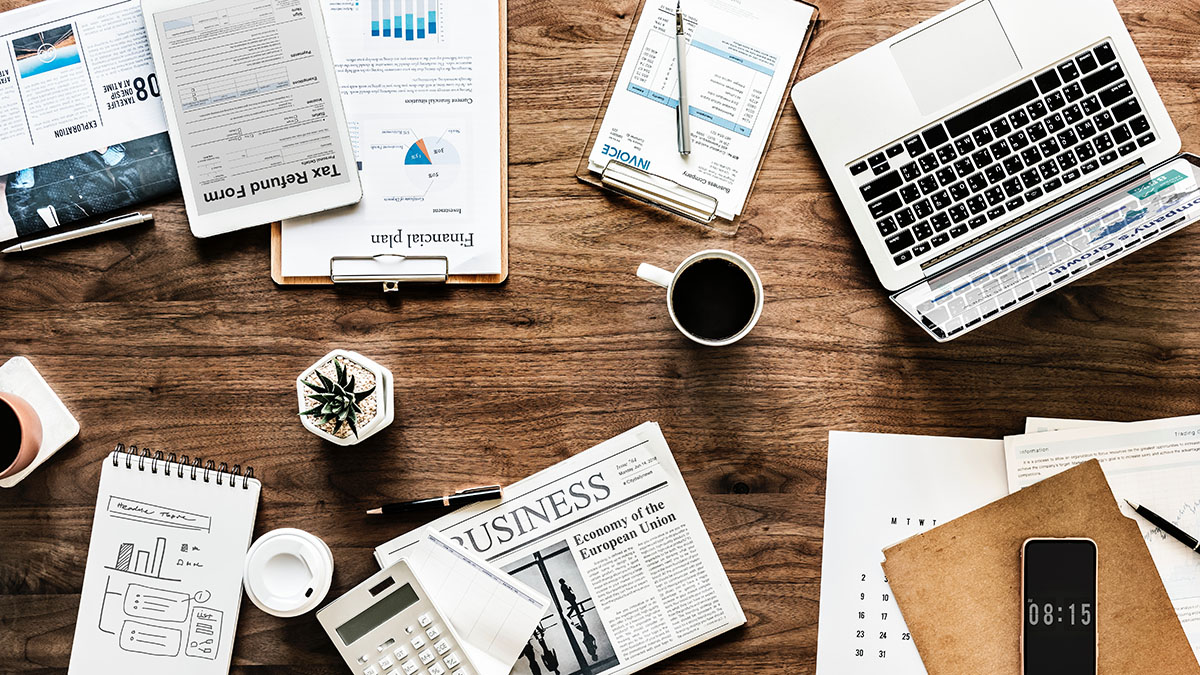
1059	623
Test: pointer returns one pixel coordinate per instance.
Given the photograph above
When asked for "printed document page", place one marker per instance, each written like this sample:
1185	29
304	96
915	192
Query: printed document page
1155	463
420	80
254	105
881	489
493	613
740	57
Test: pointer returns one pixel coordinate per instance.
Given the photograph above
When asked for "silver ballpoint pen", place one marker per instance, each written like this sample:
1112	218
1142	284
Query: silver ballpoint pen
681	113
111	224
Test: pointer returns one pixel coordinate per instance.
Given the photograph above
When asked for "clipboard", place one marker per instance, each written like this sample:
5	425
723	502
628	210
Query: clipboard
649	189
392	270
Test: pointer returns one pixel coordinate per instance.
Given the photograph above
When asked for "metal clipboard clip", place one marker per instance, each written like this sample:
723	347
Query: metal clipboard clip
659	191
390	269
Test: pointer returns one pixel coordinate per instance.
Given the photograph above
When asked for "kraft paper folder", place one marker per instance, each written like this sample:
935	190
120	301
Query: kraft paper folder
655	190
394	270
959	584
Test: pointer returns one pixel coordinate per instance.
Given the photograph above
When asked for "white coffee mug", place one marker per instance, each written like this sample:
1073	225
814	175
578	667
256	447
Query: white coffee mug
666	279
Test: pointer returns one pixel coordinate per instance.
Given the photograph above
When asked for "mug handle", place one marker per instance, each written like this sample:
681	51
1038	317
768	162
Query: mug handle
655	275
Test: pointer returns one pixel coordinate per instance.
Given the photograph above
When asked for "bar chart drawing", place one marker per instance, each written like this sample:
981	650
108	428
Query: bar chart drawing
142	562
407	20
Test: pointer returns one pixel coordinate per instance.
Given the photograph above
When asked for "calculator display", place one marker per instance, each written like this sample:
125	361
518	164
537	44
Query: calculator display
374	616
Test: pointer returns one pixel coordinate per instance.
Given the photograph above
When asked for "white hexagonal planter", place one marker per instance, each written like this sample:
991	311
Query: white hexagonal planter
378	409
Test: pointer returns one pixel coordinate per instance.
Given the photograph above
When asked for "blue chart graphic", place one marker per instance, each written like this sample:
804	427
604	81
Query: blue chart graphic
404	19
432	164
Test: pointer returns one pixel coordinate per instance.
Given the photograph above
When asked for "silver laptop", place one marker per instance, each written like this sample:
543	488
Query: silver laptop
997	151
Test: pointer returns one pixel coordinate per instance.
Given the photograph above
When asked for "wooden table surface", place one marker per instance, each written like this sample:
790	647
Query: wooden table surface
185	345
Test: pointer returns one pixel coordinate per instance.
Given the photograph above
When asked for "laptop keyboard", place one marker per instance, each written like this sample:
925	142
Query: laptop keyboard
1036	139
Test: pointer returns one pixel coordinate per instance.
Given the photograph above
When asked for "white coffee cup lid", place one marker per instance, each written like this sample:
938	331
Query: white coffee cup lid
288	572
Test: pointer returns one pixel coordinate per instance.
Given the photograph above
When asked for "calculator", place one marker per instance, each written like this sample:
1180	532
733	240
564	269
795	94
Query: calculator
387	625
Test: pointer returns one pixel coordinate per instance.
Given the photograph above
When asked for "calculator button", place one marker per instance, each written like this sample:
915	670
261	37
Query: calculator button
435	669
364	658
433	632
401	653
425	620
426	657
370	670
461	671
410	629
451	661
442	647
386	662
418	642
410	667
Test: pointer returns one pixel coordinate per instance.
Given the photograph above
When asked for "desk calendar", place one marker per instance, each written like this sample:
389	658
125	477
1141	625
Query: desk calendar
881	489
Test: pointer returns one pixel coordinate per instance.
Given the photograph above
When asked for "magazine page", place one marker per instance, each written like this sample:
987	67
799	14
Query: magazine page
81	121
613	537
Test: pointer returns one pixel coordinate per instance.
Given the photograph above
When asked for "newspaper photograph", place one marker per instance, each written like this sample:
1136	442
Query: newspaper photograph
613	538
81	119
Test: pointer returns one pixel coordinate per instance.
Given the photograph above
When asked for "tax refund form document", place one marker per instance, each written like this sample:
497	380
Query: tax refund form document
1155	463
740	58
881	489
421	83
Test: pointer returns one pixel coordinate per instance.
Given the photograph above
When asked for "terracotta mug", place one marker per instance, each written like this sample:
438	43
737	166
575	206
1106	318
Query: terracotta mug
20	434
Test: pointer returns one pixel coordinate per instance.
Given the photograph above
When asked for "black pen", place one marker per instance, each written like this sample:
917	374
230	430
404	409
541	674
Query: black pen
460	498
1168	527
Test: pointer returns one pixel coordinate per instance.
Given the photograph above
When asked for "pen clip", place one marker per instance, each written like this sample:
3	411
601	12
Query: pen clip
482	488
127	216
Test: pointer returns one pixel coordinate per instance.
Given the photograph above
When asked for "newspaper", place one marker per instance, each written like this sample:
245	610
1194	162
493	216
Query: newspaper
81	121
613	537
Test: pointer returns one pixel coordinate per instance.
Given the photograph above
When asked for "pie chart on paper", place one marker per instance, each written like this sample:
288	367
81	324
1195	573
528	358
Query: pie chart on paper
431	164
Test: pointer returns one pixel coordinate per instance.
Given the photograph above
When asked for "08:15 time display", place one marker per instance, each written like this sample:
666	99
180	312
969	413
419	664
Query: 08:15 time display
1039	614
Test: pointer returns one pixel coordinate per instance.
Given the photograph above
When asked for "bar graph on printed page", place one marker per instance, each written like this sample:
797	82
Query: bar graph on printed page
407	20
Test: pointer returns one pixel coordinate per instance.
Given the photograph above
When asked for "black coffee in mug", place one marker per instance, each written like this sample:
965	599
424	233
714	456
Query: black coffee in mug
714	299
10	436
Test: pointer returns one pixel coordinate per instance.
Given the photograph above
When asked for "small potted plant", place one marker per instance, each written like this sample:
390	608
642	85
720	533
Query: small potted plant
345	397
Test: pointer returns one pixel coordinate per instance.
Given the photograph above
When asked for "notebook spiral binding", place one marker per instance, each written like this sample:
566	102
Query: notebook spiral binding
197	467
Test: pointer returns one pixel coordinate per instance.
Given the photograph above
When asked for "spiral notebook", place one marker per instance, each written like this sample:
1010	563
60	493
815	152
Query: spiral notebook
163	582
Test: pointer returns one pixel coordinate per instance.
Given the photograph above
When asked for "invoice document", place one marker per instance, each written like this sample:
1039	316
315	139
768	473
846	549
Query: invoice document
421	83
1155	463
740	58
881	489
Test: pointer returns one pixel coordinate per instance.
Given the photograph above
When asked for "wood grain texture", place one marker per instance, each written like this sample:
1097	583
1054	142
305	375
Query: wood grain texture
185	345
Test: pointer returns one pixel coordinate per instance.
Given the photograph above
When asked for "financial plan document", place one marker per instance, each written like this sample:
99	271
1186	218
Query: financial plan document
421	84
252	101
1155	463
740	58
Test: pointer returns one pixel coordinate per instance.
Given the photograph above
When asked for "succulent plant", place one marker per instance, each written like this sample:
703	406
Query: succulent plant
337	402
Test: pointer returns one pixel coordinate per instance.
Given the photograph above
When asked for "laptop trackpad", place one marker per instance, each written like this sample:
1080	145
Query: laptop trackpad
957	56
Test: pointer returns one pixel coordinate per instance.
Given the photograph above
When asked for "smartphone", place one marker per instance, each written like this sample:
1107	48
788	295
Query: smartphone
1058	623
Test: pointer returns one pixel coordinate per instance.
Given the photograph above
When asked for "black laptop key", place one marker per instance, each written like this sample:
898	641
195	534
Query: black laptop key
1055	122
1013	165
1145	140
964	167
1073	92
910	194
959	231
1000	149
905	217
900	241
1031	156
910	171
1124	111
1102	78
982	136
881	169
1052	185
994	196
1103	121
1127	148
914	146
946	176
1091	105
1085	129
995	174
941	239
959	191
1087	62
941	200
887	226
1071	176
885	206
995	213
1104	53
895	150
1139	126
1031	177
977	221
1090	166
1118	92
940	221
1018	118
1066	138
928	162
881	186
922	209
903	257
858	168
1018	140
958	213
922	231
976	204
1048	168
1014	203
934	136
1121	134
982	158
921	249
876	159
1073	114
964	146
1001	127
1032	194
1048	81
1103	142
1037	110
1085	151
1056	100
1066	161
1037	132
992	108
1068	71
1048	147
1012	187
927	184
1108	157
946	154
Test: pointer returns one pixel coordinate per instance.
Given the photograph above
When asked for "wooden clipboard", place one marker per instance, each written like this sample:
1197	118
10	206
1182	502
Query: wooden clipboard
277	228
